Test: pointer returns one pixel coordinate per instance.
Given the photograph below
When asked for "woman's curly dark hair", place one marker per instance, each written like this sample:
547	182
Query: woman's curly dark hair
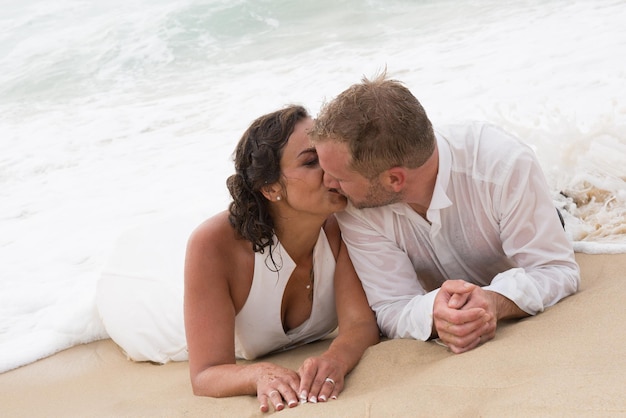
257	164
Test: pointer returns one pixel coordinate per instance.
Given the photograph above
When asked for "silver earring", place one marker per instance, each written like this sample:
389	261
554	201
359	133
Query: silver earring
278	198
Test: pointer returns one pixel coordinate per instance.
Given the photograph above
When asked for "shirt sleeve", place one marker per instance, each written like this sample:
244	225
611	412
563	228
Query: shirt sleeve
403	308
533	237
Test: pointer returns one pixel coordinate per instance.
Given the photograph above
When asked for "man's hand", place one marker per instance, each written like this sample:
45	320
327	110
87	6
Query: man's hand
465	315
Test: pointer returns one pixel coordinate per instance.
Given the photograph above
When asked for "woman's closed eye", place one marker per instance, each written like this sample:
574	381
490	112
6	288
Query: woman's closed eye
312	162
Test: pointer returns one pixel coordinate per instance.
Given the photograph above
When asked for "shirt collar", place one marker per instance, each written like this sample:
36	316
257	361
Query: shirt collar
440	199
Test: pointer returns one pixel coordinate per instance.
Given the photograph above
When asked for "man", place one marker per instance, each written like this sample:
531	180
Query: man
450	231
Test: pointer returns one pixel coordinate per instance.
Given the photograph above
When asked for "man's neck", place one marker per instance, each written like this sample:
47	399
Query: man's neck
421	184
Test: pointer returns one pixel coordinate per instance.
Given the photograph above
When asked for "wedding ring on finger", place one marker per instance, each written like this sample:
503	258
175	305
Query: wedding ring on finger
329	380
269	395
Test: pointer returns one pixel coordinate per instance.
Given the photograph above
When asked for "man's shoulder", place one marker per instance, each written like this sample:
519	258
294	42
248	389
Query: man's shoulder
477	134
485	142
484	151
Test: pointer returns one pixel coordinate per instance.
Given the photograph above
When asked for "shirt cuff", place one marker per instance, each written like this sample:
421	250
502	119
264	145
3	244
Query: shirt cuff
418	323
515	285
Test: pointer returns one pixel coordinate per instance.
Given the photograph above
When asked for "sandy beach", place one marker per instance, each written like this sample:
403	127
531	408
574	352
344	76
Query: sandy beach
568	361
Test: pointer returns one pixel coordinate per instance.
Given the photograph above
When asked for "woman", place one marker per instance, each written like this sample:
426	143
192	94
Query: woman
272	273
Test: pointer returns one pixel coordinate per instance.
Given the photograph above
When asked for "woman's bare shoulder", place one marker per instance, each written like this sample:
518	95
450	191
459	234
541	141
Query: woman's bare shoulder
216	237
217	255
333	234
215	224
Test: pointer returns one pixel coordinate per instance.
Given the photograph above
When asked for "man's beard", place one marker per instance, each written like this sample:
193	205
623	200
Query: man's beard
377	196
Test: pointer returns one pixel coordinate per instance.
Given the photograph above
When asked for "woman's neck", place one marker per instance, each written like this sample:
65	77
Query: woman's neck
298	238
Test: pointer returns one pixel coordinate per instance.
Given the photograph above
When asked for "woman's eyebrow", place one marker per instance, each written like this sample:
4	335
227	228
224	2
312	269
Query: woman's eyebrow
307	151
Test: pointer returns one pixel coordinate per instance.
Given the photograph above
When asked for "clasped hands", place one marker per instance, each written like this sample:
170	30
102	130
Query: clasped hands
464	315
318	379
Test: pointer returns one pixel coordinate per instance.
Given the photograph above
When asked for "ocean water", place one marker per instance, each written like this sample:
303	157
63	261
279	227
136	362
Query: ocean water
122	113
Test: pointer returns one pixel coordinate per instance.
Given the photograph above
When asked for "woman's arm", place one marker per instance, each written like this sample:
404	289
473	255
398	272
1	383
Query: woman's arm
210	322
323	377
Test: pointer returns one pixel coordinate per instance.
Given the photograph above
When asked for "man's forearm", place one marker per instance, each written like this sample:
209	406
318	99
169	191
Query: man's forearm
505	307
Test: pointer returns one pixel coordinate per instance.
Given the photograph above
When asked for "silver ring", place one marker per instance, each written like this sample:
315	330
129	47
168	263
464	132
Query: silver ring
329	380
269	395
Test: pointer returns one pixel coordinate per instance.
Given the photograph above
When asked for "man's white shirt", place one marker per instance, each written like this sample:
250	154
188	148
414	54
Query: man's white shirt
491	222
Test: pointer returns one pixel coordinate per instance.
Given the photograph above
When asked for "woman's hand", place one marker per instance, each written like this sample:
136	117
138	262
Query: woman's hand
321	378
276	385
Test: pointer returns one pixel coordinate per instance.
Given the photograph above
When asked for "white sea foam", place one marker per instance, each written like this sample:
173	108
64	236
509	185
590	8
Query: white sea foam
118	113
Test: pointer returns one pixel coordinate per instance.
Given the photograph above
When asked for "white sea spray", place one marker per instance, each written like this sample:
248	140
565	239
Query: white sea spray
119	113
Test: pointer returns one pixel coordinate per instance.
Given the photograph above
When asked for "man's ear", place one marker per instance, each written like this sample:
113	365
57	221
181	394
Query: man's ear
394	178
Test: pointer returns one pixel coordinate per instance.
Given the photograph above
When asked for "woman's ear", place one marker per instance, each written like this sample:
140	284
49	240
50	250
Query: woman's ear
272	192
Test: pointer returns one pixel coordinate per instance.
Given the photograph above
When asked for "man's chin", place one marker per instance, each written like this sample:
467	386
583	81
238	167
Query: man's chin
364	206
373	204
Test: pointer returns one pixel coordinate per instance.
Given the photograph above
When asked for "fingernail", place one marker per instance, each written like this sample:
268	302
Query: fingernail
280	406
303	395
333	397
313	399
292	403
322	398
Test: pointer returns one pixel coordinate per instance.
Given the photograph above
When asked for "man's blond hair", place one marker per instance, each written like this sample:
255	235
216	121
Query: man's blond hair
381	122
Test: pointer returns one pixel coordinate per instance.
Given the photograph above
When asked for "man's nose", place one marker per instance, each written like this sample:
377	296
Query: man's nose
330	182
